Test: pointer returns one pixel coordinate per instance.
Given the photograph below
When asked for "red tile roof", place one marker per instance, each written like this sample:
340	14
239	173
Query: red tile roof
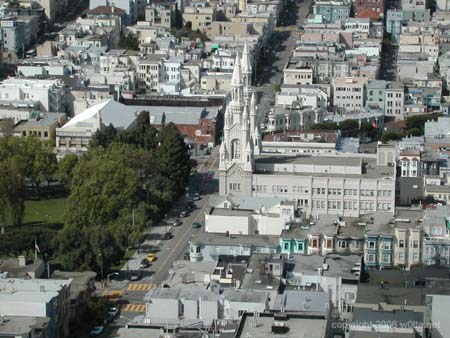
107	10
369	14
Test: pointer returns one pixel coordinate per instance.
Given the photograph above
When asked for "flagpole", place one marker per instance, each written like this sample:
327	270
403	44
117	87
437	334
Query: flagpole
35	250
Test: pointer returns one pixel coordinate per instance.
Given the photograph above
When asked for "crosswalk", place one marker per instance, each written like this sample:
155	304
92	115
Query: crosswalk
141	286
132	308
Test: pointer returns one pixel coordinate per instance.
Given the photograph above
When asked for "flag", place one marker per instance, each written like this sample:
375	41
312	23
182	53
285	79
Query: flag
36	247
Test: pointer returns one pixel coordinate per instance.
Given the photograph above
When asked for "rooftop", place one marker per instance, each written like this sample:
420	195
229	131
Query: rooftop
295	327
257	278
14	270
341	266
371	317
80	280
245	240
245	296
21	326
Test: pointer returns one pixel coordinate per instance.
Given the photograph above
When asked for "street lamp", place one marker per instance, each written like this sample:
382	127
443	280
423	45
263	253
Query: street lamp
109	281
101	266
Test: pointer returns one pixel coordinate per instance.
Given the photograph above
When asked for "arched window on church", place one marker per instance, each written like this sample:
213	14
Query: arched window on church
235	149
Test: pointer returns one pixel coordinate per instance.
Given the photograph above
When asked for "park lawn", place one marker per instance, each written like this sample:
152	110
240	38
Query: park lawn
45	212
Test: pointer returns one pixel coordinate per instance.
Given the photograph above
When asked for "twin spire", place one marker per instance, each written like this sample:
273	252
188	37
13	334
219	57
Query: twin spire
243	66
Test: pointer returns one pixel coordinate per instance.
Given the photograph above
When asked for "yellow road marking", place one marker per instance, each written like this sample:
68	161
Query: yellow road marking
200	167
140	286
212	164
112	293
133	308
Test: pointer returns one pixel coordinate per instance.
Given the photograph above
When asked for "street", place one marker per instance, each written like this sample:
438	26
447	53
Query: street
284	43
129	295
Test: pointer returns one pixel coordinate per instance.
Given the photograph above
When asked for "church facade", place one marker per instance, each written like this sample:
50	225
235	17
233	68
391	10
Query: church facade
345	185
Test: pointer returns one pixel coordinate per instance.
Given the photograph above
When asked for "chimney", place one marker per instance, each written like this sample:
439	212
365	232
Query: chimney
22	261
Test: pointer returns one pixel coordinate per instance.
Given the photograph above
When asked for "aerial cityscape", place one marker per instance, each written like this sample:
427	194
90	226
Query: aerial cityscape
225	169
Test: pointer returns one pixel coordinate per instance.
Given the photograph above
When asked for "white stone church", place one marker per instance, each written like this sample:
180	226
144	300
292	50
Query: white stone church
345	184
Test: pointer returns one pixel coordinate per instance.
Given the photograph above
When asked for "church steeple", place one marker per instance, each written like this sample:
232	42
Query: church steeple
237	92
246	66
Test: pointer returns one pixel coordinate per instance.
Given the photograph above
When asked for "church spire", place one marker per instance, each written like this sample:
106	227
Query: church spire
246	66
236	79
253	112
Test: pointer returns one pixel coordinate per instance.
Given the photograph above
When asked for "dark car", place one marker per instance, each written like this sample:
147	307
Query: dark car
135	275
145	263
196	225
167	235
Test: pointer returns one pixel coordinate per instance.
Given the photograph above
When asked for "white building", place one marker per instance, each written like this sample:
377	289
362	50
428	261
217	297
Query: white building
394	100
49	94
348	93
248	216
75	135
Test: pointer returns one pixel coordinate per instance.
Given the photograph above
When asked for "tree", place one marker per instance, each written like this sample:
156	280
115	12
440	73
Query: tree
390	135
173	156
129	41
66	166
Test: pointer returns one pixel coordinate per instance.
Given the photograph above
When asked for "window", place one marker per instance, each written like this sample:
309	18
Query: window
401	243
299	246
386	245
370	258
235	149
315	243
329	244
286	245
386	258
401	256
342	244
371	244
415	244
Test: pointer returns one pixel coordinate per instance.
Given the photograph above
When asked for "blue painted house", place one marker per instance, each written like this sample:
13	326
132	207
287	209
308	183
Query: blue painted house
379	244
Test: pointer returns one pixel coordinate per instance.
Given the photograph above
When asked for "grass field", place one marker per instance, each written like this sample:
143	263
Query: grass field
45	212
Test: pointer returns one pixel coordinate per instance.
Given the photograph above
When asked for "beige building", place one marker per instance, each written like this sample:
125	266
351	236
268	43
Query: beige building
149	73
407	233
348	93
227	28
41	125
297	74
394	100
161	15
199	17
216	82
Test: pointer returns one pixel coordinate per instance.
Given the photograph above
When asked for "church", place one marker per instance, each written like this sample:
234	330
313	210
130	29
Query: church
345	185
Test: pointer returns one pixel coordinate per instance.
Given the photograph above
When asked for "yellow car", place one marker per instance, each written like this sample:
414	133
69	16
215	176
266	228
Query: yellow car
151	257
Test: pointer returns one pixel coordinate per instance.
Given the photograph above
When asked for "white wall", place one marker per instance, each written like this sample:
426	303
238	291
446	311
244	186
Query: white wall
17	308
234	224
163	308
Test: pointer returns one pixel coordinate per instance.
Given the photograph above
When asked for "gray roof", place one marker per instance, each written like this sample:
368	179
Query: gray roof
245	296
20	326
245	202
341	266
80	280
231	212
45	119
181	293
369	316
14	270
306	301
257	279
362	334
211	238
178	115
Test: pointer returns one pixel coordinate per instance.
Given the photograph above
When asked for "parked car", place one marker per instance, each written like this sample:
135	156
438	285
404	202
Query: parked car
112	313
184	214
96	331
145	263
151	257
135	275
167	235
196	225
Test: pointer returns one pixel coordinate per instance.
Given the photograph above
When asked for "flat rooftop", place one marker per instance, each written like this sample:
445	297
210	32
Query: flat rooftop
220	238
255	278
341	266
21	325
14	270
297	328
323	166
231	212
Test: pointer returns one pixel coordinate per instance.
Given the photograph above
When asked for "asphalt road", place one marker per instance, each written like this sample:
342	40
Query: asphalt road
284	43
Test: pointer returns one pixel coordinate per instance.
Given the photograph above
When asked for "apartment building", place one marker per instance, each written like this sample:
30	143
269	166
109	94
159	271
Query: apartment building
408	237
129	6
436	236
376	95
348	93
50	94
161	14
394	22
332	11
199	17
394	100
298	74
149	73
